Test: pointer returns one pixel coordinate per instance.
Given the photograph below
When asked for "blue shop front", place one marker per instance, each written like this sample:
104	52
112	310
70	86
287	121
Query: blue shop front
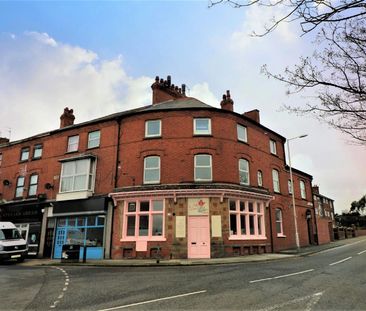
84	222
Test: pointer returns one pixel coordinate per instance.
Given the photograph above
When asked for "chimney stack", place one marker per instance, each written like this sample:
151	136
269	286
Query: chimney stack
67	118
316	189
227	103
164	90
4	140
253	114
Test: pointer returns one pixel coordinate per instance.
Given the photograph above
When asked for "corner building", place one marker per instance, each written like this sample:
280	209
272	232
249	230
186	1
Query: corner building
195	181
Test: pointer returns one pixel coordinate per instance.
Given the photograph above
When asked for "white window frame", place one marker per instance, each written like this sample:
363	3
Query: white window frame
276	180
289	185
147	134
146	169
244	172
201	132
242	133
89	173
93	140
273	146
24	151
249	210
302	189
260	178
209	167
73	146
279	220
19	189
33	185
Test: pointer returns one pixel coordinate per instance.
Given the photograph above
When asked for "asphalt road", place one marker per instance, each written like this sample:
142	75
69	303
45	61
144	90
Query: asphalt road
331	280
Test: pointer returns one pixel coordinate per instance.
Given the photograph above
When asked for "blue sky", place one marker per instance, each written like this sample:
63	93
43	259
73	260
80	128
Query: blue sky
101	57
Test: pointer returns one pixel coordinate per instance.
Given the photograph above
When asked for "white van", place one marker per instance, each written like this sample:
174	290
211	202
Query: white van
12	245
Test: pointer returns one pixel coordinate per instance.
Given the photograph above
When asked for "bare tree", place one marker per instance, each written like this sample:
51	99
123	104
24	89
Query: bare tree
309	13
337	69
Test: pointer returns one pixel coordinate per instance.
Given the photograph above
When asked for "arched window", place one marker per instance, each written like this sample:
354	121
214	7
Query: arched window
302	189
279	222
260	178
276	180
244	172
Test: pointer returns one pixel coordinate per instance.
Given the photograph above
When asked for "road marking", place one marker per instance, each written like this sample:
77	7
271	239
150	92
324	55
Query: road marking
281	276
338	247
313	300
67	282
337	262
361	252
154	300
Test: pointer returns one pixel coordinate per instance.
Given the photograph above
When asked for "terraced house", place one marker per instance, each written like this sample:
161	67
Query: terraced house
175	179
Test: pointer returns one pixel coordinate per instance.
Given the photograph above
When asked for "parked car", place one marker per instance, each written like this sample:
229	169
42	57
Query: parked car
12	245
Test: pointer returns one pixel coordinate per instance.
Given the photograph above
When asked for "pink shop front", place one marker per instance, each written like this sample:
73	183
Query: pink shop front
190	223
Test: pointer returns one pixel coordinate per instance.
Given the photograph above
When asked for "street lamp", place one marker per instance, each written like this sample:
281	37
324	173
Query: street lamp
292	190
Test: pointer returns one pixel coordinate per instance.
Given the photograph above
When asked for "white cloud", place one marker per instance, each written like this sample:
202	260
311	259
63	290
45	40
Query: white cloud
202	92
39	77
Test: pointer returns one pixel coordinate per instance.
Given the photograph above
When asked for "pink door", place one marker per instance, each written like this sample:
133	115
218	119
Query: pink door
198	237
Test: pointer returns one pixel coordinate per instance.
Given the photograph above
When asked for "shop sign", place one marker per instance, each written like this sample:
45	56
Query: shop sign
198	206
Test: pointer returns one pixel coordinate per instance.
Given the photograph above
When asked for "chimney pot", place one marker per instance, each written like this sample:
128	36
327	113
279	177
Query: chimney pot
157	79
169	79
183	89
164	90
67	118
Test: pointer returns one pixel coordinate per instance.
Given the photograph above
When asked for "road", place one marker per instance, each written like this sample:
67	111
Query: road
331	280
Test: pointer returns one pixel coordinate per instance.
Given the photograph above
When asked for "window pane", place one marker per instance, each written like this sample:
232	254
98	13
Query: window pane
278	215
132	207
131	225
259	225
144	206
243	225
260	178
251	224
24	154
72	222
61	222
33	179
101	220
81	221
37	151
68	168
250	206
93	139
73	143
144	225
66	184
91	220
158	205
232	205
81	166
203	173
152	175
203	160
278	227
243	165
152	162
242	206
75	236
32	190
233	229
19	192
94	237
80	182
202	126
244	177
157	225
20	181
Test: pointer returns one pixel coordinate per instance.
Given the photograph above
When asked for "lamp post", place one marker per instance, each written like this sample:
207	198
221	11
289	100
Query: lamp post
292	189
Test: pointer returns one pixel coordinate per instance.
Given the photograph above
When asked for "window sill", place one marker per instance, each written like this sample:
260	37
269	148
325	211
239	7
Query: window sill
152	137
37	158
147	239
91	148
281	236
71	152
243	142
23	161
202	135
249	238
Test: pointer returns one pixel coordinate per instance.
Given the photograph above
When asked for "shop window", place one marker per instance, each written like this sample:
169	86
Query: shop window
244	172
152	128
202	167
93	139
77	175
279	222
37	151
19	187
242	133
24	154
302	189
272	146
260	178
73	143
152	170
33	184
246	220
144	220
276	181
202	126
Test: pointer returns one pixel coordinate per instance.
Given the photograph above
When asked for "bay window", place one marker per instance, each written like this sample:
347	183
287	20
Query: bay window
77	175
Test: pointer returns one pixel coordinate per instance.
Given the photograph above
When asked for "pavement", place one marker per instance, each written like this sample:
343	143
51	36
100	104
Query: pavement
304	251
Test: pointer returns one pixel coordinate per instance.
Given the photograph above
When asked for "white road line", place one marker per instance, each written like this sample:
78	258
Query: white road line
281	276
338	247
154	300
337	262
361	252
54	305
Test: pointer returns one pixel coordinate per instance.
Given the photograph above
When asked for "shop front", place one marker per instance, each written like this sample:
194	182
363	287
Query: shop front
27	217
82	222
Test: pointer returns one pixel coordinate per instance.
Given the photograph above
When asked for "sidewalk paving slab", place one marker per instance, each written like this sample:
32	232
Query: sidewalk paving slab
305	251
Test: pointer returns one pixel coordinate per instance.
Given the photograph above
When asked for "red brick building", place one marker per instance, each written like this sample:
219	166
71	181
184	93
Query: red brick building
187	180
